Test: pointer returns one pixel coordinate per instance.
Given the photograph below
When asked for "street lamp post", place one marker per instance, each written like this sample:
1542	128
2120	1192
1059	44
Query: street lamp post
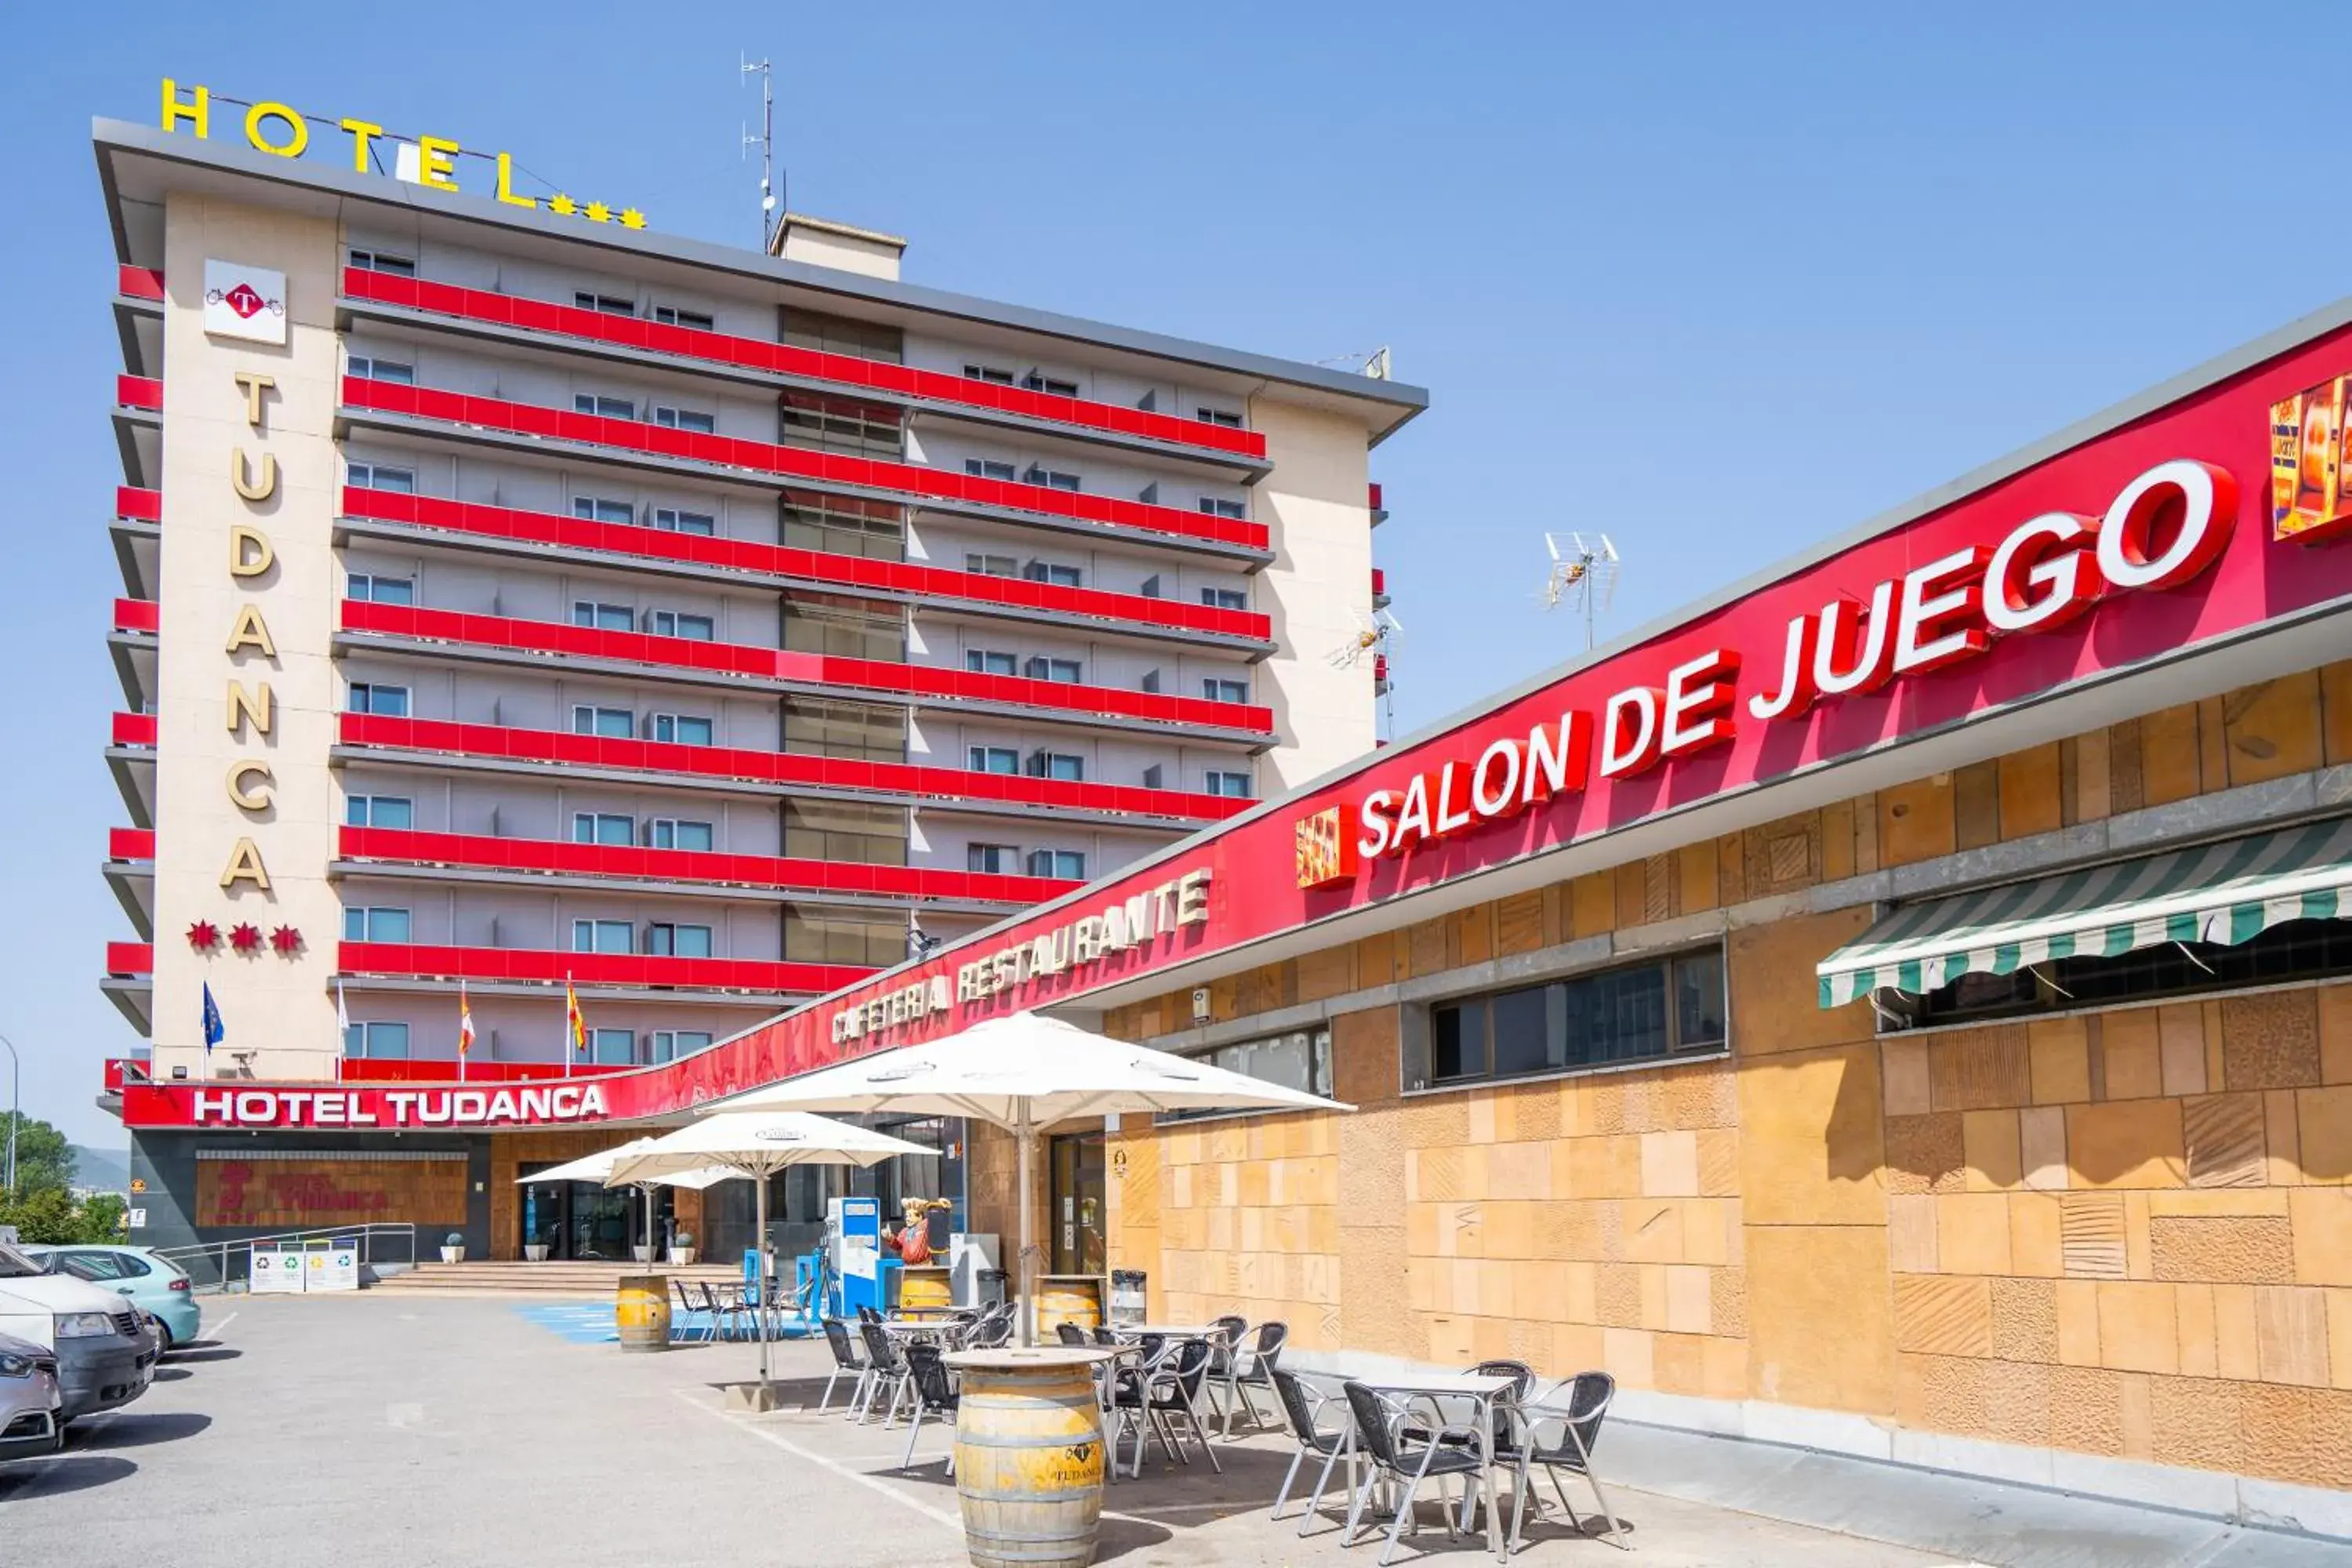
15	1114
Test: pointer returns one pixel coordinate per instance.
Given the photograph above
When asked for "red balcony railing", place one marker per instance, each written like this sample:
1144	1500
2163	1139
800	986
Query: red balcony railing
849	572
823	470
138	282
130	844
928	682
138	505
538	966
130	958
136	615
945	787
847	372
139	392
561	857
133	729
1379	584
1372	499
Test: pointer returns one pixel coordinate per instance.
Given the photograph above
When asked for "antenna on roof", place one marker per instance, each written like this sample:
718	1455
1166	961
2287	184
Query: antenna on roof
1378	634
1377	364
1584	565
770	197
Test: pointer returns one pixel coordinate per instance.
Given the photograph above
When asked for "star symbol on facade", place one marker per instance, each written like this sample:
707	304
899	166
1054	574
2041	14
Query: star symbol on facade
204	936
244	937
286	941
560	203
597	212
632	218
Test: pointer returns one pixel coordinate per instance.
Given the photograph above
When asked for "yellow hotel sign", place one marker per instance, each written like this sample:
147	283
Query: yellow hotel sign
280	129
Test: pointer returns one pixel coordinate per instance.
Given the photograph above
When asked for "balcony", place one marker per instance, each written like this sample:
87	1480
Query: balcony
743	667
775	565
139	318
688	870
743	769
757	979
734	459
129	982
138	538
129	873
786	364
139	283
144	392
138	427
133	644
444	1070
131	758
134	730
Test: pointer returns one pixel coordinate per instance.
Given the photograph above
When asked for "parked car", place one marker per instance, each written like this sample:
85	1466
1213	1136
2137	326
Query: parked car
32	1419
157	1285
105	1350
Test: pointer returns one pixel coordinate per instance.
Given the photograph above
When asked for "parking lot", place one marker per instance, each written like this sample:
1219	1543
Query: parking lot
392	1430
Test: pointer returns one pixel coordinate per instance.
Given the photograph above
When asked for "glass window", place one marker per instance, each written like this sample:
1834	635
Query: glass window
600	509
384	262
380	1041
1067	864
374	697
666	939
603	827
1636	1012
979	661
90	1265
994	760
604	408
829	623
825	423
990	374
378	590
1299	1060
1458	1041
614	723
668	1044
603	936
1218	689
838	830
2289	951
381	477
1059	576
994	859
1232	785
834	335
1225	598
843	526
677	833
988	469
816	939
367	367
1069	671
1037	382
1231	421
364	924
676	315
674	623
617	1048
1052	478
379	811
820	728
604	304
1217	506
1065	765
692	419
675	522
683	730
991	565
603	618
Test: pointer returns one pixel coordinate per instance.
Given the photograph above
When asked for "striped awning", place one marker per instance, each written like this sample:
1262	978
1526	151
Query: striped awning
2227	893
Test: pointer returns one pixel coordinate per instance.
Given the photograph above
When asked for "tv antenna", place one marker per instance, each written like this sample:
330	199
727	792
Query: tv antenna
1377	365
1584	566
1377	635
766	143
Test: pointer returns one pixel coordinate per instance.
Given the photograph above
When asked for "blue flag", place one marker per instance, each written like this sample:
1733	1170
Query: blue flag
214	1033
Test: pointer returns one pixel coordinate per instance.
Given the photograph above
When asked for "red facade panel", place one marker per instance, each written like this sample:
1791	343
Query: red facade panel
130	844
138	505
133	729
139	392
138	282
136	615
130	958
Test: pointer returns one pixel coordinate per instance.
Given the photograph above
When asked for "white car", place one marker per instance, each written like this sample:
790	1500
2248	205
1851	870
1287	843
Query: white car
104	1349
32	1409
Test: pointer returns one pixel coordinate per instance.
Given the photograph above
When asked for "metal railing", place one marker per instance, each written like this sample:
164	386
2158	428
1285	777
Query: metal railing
225	1265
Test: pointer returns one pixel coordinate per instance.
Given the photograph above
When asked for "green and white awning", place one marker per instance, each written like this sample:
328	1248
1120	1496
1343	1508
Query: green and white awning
2226	893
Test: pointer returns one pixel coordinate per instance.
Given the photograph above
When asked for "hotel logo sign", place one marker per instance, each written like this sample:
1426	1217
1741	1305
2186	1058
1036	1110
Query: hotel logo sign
245	302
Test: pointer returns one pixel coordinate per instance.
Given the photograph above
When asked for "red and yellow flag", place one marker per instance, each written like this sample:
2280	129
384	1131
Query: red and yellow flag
464	1022
575	1025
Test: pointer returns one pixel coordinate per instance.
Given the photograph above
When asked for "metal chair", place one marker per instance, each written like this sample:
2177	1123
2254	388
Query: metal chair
722	1313
1380	1439
1258	1373
1224	1345
1302	1404
885	1364
1129	1404
1579	1415
1174	1391
1070	1335
844	1359
689	1316
935	1394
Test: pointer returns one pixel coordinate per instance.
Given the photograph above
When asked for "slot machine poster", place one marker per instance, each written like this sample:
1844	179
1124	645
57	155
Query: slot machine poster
2310	471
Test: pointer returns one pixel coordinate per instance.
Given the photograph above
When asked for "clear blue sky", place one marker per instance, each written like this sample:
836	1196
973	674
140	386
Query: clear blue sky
1715	279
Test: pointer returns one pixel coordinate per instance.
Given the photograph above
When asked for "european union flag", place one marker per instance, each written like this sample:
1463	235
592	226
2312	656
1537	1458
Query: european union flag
214	1033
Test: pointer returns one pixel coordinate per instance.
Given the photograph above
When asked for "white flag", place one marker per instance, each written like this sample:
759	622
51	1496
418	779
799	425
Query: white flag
342	1011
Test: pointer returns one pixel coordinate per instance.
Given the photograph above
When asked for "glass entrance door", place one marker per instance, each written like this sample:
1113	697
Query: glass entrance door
1076	1198
584	1221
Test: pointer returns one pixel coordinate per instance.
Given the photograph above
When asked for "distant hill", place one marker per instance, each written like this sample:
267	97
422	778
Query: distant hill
107	1170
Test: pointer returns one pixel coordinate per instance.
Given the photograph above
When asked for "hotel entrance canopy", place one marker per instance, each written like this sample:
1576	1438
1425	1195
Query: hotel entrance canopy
2224	893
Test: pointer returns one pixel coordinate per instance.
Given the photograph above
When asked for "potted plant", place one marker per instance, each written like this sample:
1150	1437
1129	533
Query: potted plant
642	1250
534	1251
453	1247
681	1248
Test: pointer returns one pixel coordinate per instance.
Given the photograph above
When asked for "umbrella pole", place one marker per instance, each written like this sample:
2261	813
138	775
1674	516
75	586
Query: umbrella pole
759	1247
1027	1137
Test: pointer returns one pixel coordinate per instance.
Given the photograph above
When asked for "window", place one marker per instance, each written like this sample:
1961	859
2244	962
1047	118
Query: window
820	728
994	760
829	623
664	940
813	420
843	335
1638	1012
616	1046
1067	864
374	697
1232	785
369	368
379	811
682	730
692	419
381	477
2291	951
813	939
990	374
989	468
1300	1060
1225	598
599	509
837	830
603	827
979	661
362	925
379	1041
840	526
603	618
1220	417
672	519
378	590
614	723
674	315
677	833
668	1044
1060	576
1216	688
994	860
1052	478
604	304
1062	765
991	565
1069	671
604	408
384	262
1217	506
674	623
1037	382
603	936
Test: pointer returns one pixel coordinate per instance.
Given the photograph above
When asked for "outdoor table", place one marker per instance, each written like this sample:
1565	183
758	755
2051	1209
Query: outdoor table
1029	1454
1482	1391
1167	1331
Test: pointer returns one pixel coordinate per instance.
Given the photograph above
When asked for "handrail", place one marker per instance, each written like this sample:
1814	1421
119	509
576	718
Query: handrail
222	1255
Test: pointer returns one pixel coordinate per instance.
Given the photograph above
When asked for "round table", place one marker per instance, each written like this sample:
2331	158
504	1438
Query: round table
1029	1455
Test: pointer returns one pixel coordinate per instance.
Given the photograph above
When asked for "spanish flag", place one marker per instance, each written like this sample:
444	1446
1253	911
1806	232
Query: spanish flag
464	1028
575	1028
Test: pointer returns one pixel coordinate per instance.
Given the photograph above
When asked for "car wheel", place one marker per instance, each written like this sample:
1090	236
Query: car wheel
163	1342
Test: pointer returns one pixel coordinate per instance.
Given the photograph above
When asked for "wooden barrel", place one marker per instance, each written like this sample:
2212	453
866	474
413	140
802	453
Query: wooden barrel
1029	1458
642	1311
1075	1301
923	1291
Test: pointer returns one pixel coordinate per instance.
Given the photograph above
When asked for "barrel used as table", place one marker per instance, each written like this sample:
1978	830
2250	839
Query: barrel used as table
1029	1456
1068	1298
642	1311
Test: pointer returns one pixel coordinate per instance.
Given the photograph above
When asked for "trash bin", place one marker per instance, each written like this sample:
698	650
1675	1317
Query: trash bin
641	1311
990	1286
1127	1296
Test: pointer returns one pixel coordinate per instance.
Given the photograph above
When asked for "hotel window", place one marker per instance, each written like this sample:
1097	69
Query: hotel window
365	924
678	833
1218	689
616	1048
820	728
603	936
990	468
1225	598
671	519
381	477
682	730
673	316
603	618
385	262
990	374
604	407
665	939
994	760
993	859
1059	576
368	368
825	622
1229	420
843	335
374	697
377	1041
1636	1012
1299	1060
1067	671
692	419
1216	506
822	423
603	827
604	304
674	623
991	565
837	830
819	940
1231	786
2301	950
1067	864
601	509
613	723
875	530
379	590
1052	478
379	811
668	1044
1063	765
1048	384
979	661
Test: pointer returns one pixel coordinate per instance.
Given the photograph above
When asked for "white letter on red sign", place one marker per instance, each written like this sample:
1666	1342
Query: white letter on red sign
1558	758
1629	732
2206	499
1943	612
1855	651
1797	689
1698	703
1490	798
1379	829
1449	821
1412	817
2040	575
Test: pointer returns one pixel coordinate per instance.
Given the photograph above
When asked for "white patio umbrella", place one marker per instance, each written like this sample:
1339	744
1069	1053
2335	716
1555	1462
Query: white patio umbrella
756	1145
1023	1072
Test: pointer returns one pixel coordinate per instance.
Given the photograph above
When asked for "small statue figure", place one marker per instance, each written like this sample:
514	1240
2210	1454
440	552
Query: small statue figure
913	1240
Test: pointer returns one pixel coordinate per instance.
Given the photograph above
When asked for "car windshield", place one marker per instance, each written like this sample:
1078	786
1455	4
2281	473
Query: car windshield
14	1265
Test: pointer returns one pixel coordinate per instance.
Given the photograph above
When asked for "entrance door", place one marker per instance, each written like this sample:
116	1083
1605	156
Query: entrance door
1076	1196
580	1220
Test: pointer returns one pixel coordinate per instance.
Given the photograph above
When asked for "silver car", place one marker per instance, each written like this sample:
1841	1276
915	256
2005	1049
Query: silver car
32	1409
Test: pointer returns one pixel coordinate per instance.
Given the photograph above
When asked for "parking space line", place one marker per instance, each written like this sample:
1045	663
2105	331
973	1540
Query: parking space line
222	1327
940	1516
